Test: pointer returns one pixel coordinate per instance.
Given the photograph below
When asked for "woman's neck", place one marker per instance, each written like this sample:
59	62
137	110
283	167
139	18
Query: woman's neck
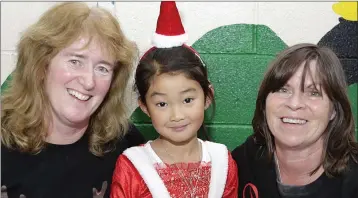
295	166
62	134
170	152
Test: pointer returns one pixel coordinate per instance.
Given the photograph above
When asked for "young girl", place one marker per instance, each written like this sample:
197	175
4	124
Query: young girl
174	92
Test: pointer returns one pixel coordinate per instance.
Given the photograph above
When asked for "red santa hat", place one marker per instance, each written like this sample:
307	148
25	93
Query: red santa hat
170	31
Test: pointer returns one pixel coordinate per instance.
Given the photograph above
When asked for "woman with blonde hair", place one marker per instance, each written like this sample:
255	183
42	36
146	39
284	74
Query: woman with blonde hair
63	116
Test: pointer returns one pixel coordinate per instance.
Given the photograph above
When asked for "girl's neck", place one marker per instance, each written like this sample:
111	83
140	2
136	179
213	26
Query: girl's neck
171	152
295	166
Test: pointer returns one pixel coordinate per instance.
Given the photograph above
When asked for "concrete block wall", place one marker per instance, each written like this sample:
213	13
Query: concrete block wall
15	18
236	39
138	19
236	57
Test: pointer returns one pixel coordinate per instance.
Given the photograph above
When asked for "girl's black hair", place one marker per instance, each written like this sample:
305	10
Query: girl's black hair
175	60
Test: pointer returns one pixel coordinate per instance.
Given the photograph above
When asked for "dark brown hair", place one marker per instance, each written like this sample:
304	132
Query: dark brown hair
340	145
175	60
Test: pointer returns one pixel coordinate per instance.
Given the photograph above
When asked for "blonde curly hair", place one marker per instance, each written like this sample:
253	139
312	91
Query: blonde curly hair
26	111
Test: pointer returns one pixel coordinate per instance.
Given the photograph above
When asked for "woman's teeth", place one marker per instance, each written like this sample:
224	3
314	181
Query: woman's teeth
78	95
293	121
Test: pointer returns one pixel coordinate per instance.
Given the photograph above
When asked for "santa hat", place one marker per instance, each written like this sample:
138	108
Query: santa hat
170	31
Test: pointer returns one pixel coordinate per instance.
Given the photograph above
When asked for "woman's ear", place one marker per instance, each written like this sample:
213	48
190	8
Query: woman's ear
208	99
143	107
333	114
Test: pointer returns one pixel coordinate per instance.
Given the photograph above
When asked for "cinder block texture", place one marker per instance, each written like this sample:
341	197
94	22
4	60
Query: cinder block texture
353	97
236	57
343	40
7	64
16	17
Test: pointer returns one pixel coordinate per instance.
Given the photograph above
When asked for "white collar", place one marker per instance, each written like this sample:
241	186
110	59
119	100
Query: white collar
156	159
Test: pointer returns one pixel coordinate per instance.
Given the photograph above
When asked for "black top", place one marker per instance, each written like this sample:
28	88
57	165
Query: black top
62	171
309	190
255	168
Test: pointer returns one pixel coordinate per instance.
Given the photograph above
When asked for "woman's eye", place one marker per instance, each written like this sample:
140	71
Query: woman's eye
282	90
74	62
103	69
315	93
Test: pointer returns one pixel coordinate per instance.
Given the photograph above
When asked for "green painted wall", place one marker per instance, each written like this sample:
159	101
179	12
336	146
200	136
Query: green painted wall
6	83
236	57
353	97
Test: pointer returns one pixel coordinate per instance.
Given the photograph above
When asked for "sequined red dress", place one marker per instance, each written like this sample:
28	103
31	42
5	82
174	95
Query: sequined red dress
140	173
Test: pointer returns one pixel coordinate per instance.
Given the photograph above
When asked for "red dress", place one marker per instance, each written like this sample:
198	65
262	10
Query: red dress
180	180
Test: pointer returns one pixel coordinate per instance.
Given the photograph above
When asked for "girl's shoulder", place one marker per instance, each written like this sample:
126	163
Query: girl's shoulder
141	148
211	144
213	151
142	153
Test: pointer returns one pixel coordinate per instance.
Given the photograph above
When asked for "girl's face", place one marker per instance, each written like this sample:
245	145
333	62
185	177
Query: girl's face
176	106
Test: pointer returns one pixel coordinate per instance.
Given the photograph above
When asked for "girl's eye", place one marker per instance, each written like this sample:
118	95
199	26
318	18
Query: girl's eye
161	104
188	100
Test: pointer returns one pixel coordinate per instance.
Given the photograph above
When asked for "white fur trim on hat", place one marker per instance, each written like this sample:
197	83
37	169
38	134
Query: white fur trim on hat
162	41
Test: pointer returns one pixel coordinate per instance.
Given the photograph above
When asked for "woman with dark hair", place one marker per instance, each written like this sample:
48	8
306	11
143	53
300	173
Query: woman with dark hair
303	143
